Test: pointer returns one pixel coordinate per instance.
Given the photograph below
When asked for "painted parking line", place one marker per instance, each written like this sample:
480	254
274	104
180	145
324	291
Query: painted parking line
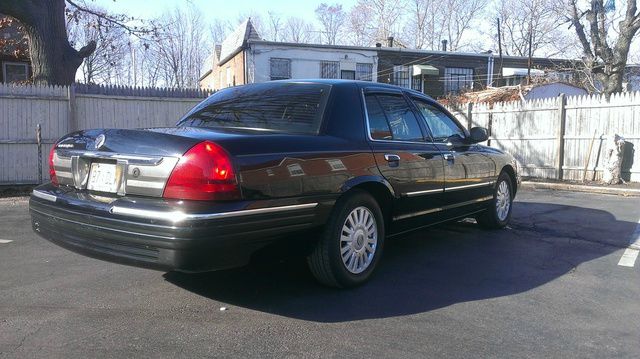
5	241
630	254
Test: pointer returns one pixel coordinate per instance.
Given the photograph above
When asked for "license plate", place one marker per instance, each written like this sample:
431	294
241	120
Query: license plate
103	177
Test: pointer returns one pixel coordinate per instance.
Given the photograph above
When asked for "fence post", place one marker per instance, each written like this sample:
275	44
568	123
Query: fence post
469	115
562	121
73	123
39	143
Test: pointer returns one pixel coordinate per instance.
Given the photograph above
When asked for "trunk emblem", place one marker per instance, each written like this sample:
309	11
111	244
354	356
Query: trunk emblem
99	141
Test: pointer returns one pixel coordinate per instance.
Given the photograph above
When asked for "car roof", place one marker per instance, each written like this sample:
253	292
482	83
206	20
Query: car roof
359	83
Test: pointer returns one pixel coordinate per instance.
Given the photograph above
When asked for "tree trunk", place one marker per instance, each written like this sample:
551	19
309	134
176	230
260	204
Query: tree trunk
53	60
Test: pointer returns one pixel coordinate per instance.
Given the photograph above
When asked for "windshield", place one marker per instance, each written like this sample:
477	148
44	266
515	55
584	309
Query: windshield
272	106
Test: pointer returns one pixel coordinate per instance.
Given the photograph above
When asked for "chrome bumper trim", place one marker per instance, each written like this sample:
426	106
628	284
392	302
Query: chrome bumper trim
45	196
178	216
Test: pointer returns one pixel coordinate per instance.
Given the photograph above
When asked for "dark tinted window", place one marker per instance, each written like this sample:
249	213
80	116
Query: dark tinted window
281	107
378	125
442	127
400	120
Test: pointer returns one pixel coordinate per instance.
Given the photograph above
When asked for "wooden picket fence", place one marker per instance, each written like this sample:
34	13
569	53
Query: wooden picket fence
63	109
551	138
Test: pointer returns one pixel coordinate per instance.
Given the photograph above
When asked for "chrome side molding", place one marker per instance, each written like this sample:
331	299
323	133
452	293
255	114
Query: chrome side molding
458	188
43	195
178	216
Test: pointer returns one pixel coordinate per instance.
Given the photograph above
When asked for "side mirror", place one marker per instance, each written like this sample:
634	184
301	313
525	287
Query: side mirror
478	134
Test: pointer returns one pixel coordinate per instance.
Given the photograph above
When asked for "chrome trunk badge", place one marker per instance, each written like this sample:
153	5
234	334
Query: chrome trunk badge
99	141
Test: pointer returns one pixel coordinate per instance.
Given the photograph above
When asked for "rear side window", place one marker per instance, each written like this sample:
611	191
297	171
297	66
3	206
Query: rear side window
278	107
390	118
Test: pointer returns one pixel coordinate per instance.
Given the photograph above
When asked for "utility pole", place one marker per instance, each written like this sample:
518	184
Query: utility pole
500	52
529	63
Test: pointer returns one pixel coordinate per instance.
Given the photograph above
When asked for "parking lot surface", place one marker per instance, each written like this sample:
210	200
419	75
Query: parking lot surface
548	286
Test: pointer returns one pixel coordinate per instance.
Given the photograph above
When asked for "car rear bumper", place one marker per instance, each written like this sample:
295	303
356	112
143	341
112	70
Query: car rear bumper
167	235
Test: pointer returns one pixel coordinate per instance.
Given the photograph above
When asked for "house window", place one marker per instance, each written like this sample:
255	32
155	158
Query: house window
229	76
457	79
15	72
401	76
347	75
364	72
329	69
280	69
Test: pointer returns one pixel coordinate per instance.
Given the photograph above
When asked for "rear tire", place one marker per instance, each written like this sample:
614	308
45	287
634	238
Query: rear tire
351	243
498	214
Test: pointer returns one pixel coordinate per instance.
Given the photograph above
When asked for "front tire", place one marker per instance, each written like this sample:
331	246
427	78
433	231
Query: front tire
498	214
351	243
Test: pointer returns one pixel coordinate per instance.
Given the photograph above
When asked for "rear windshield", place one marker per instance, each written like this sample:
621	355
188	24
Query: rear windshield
271	106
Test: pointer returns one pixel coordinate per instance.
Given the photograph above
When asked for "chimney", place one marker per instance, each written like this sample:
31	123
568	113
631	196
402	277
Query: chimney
390	41
444	45
378	44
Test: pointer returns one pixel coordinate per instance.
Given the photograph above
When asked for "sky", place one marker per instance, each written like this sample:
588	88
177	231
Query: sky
220	9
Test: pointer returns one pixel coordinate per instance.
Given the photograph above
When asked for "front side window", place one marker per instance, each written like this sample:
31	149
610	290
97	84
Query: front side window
269	106
390	118
443	128
329	69
280	68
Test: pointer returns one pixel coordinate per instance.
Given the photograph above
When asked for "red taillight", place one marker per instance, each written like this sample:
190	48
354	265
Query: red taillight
52	170
205	172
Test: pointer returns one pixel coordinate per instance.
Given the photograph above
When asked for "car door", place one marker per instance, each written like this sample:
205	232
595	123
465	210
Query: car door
413	166
469	172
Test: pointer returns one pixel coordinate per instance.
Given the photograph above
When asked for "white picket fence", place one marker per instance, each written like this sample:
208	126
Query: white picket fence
60	110
551	138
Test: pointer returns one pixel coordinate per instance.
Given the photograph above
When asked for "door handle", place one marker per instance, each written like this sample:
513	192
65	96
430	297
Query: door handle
390	157
449	157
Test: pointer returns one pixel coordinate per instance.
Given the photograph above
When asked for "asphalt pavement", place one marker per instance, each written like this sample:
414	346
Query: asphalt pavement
549	286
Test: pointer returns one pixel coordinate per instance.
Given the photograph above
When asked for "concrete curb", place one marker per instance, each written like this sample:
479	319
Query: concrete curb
631	192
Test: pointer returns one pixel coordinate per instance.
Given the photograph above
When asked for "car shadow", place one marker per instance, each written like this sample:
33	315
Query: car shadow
429	269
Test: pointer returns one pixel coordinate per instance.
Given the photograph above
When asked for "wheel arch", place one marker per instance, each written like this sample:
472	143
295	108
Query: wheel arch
509	170
378	188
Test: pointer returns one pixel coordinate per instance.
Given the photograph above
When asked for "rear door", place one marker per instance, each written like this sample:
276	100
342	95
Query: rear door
413	166
469	172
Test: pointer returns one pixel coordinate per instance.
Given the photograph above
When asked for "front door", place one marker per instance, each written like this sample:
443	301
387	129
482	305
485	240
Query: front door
413	166
469	173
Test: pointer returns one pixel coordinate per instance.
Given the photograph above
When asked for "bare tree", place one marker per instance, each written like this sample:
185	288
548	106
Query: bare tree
332	19
219	30
359	28
181	48
425	24
520	18
605	36
459	16
298	30
386	15
275	27
108	63
54	60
